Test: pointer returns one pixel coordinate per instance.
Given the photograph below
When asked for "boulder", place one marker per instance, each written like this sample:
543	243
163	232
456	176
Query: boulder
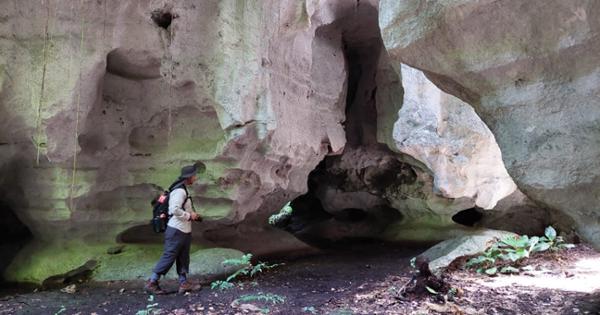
444	253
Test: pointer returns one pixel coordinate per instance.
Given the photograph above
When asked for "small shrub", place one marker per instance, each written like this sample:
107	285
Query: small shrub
246	268
283	214
510	251
151	308
413	263
264	297
221	285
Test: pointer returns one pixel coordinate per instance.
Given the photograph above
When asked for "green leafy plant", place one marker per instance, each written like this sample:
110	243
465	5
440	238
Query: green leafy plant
245	268
264	297
151	308
508	252
221	285
551	241
283	214
413	263
309	309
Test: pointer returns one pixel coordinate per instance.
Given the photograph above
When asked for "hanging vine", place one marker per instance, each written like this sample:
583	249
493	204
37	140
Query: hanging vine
76	131
38	119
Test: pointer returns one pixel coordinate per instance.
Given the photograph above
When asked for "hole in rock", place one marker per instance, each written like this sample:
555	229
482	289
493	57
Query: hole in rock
162	18
132	64
468	217
14	234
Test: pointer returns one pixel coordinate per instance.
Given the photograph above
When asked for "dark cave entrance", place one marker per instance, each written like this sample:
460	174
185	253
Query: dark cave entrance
162	18
468	217
14	235
346	201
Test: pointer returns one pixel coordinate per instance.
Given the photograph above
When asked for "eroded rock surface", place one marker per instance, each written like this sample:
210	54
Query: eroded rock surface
101	102
531	70
443	254
446	135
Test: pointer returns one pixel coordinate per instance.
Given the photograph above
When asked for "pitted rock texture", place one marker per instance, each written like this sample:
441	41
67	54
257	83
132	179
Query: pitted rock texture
446	135
531	70
102	102
370	193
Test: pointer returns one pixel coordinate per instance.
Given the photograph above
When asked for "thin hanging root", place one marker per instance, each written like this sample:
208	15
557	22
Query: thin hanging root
171	69
41	100
76	134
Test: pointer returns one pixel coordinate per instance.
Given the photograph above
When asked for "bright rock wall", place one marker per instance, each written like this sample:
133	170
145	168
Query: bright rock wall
531	70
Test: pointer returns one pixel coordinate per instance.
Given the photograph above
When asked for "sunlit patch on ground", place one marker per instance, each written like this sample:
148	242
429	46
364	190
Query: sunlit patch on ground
582	275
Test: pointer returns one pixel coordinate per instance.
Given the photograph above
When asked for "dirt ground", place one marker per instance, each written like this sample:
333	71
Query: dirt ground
362	278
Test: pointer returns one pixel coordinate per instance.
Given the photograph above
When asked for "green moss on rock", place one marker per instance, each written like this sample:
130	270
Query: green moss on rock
40	261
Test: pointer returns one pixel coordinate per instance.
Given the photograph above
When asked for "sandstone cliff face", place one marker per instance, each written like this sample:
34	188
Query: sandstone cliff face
101	101
531	70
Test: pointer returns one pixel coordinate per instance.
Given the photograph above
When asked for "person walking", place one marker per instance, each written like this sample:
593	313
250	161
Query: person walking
178	235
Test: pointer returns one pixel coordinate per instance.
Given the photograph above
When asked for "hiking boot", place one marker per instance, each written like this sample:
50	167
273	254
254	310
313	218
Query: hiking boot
153	288
187	286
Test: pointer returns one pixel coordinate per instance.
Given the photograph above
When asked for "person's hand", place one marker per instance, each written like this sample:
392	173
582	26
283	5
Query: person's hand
194	216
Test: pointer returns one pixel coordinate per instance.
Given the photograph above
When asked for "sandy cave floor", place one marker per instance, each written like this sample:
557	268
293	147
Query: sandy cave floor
360	278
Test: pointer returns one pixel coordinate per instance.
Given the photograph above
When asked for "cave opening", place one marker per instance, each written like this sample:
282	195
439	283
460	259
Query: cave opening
346	199
468	217
14	235
162	18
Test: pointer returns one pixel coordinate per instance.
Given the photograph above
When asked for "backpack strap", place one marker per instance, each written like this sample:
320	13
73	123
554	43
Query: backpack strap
176	184
180	183
188	197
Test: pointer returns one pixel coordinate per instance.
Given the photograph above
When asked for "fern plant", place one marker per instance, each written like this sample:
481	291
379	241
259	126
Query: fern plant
245	268
264	297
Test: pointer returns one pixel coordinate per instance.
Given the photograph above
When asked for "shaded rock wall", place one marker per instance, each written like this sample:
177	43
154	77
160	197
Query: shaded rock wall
100	103
441	165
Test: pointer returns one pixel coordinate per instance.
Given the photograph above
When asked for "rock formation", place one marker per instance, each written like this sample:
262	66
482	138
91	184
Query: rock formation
102	102
446	135
531	70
